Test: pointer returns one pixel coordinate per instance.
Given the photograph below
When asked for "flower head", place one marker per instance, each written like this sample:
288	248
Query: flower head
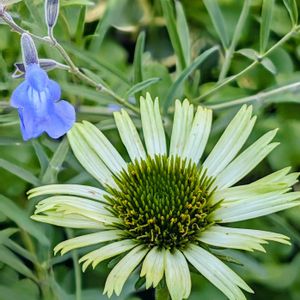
166	207
38	99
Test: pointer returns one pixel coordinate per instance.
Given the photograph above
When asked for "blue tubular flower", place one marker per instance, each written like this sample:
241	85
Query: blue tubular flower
38	102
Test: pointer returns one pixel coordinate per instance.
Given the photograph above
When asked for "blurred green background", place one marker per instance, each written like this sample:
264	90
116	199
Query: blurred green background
122	43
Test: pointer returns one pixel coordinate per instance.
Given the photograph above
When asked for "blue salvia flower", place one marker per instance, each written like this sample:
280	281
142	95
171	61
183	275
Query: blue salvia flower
38	99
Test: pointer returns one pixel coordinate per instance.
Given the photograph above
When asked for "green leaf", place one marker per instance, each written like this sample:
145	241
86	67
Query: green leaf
97	63
6	233
268	65
112	12
291	6
183	31
249	53
16	214
55	163
24	289
41	155
138	60
172	28
141	86
218	21
80	25
184	74
9	258
18	171
266	18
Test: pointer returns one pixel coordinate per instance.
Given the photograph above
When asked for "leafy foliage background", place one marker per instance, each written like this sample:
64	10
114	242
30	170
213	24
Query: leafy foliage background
124	43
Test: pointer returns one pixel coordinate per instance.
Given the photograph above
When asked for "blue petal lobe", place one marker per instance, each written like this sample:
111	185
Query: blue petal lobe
53	90
31	127
36	77
61	120
19	96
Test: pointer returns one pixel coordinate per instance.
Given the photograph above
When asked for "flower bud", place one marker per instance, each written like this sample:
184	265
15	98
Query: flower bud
29	51
51	12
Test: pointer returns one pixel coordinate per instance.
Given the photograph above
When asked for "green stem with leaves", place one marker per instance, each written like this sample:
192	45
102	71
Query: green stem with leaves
236	36
72	66
258	97
77	270
230	79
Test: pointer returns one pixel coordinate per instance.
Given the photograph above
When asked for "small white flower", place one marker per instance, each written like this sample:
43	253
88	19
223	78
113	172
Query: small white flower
164	205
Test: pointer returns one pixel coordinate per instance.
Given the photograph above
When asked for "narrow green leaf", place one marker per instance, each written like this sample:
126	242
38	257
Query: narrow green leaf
291	6
266	18
16	214
41	155
112	12
141	86
268	65
6	233
80	25
184	74
183	31
171	24
95	62
218	21
55	163
138	56
249	53
138	61
18	171
9	258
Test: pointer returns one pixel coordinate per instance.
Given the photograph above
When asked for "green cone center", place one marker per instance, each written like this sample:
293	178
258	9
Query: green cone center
162	201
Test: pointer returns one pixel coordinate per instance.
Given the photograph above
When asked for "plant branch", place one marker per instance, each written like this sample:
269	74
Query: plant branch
236	36
72	66
258	97
251	66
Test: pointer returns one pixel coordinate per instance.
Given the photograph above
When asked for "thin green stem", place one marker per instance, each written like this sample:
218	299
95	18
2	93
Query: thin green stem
236	36
77	270
41	272
258	97
72	66
250	67
162	293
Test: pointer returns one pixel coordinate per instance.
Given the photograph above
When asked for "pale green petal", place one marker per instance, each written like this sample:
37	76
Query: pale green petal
249	192
182	124
97	256
238	238
198	135
68	220
120	273
88	158
246	161
275	176
217	272
231	141
244	210
87	240
129	136
177	274
152	125
102	147
153	267
69	189
75	205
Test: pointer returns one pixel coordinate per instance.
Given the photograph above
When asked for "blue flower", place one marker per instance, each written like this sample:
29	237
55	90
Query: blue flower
39	105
